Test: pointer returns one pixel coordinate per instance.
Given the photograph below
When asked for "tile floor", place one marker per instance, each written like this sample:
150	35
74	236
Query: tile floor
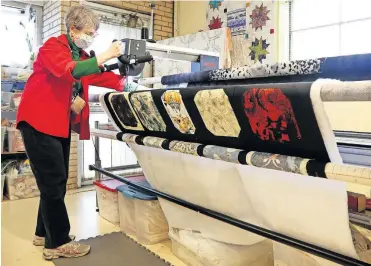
18	222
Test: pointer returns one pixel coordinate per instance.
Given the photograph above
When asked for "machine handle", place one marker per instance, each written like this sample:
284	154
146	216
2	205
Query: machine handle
143	59
124	60
106	68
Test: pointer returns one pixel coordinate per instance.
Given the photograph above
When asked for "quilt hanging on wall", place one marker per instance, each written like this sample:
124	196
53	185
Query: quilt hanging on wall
212	41
252	25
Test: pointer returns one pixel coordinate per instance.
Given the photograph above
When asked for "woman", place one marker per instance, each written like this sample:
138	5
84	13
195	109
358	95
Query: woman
59	83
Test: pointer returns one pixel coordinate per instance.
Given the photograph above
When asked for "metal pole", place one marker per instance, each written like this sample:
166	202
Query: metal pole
122	167
313	249
98	162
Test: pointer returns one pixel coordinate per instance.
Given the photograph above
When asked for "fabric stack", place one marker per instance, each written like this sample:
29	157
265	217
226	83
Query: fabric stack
20	182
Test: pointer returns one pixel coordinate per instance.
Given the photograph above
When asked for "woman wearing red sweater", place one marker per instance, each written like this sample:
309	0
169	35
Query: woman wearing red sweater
54	102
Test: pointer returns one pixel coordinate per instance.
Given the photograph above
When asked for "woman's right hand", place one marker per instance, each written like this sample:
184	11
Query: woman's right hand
115	50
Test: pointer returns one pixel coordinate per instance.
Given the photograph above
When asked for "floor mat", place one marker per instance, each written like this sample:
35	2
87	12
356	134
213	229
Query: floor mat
115	249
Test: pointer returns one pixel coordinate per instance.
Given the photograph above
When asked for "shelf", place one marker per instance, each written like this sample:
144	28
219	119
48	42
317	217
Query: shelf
9	114
13	80
13	155
10	153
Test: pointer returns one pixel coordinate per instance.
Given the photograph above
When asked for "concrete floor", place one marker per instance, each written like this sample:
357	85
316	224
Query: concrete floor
18	225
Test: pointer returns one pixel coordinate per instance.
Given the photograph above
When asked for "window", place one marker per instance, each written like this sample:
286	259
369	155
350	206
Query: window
321	28
19	33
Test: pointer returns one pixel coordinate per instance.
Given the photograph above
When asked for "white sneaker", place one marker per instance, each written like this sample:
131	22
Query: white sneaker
40	241
72	249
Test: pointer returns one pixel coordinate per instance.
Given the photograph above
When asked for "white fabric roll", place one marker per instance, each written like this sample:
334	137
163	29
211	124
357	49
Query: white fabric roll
311	209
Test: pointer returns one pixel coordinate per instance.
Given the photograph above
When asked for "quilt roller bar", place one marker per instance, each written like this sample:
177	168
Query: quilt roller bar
339	172
353	91
313	249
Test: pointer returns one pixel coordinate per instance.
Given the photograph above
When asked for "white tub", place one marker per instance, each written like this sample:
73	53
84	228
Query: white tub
141	215
196	250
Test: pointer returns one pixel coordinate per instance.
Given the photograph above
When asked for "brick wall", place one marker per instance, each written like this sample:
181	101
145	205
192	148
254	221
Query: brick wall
54	12
163	14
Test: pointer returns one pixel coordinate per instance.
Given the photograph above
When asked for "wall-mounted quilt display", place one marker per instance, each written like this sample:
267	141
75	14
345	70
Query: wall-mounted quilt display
252	25
213	41
216	15
260	32
282	118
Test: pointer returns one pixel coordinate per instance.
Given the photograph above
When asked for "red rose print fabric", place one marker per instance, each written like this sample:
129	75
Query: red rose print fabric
270	115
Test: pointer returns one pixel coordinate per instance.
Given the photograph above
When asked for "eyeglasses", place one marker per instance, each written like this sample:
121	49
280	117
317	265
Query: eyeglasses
92	34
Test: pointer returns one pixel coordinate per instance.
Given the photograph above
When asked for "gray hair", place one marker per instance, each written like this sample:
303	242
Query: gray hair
80	17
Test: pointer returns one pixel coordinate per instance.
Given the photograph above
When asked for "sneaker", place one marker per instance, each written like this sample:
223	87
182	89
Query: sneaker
72	249
40	241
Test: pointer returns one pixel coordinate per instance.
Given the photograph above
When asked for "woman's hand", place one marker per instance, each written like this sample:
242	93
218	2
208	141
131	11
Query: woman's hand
115	50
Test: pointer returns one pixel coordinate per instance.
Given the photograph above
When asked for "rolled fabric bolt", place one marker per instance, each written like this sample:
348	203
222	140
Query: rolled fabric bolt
360	223
360	216
185	78
356	202
350	179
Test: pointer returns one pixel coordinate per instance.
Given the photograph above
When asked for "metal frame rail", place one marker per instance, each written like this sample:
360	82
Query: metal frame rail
97	160
295	243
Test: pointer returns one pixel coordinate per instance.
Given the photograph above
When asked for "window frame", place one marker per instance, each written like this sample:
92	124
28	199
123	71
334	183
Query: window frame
39	15
338	24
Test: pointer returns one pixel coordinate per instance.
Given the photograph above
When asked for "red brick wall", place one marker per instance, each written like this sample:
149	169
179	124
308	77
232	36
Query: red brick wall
163	14
54	12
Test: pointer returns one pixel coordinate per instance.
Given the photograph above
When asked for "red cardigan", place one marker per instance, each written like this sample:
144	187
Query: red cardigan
46	100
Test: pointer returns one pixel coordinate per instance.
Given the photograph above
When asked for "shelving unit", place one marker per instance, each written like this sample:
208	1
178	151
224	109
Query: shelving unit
13	155
9	114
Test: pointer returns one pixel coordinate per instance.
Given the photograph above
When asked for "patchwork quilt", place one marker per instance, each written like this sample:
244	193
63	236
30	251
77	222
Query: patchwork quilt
220	147
271	118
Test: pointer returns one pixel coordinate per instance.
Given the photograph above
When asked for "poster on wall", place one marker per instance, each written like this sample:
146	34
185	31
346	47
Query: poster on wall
236	21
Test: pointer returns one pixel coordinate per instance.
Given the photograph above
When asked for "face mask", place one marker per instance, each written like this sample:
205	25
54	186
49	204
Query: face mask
84	41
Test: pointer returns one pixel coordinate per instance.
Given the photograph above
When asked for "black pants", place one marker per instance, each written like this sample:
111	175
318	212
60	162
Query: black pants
49	160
